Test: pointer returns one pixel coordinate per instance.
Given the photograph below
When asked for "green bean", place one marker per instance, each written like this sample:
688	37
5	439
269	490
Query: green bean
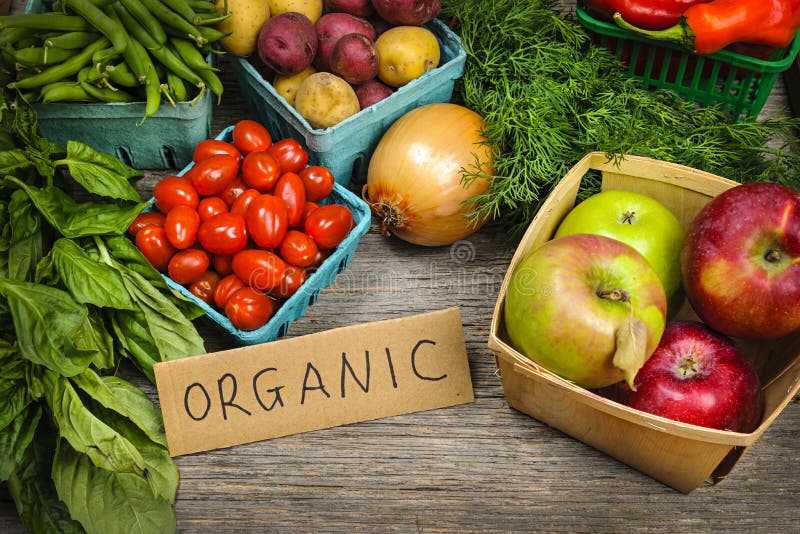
202	6
206	19
212	35
174	20
152	91
58	72
46	21
121	74
135	54
176	86
146	19
182	8
213	83
104	94
71	40
190	54
10	36
63	92
105	24
90	74
41	56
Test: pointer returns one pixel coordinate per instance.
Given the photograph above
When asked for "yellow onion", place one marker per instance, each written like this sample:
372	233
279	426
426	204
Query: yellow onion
415	182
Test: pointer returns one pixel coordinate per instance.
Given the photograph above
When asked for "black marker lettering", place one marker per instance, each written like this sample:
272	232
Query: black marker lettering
186	401
414	361
309	367
228	402
275	390
345	363
391	367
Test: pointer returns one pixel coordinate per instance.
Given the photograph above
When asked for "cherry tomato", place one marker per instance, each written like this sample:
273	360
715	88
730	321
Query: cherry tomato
291	156
145	218
212	147
175	191
227	286
203	288
260	170
153	243
293	278
210	206
232	192
322	255
290	189
328	225
249	308
258	268
181	225
242	202
212	175
223	233
250	136
298	249
267	221
222	264
186	266
318	182
309	207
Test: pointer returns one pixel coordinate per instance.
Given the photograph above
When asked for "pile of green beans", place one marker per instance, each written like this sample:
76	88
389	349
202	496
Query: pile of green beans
152	51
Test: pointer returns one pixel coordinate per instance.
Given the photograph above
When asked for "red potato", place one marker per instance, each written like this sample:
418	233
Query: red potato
407	12
357	8
372	92
287	43
330	27
354	59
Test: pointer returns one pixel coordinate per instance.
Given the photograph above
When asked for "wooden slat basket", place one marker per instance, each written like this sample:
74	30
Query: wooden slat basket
680	455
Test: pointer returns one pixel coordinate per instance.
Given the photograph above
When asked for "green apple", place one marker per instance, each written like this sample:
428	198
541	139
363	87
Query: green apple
637	220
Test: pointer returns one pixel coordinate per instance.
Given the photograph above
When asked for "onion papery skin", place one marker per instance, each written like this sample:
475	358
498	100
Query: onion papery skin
415	181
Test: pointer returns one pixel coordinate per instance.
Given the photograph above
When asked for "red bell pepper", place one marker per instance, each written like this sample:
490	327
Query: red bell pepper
647	14
708	28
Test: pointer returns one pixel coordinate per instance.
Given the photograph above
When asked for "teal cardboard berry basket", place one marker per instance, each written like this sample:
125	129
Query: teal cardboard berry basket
346	147
308	293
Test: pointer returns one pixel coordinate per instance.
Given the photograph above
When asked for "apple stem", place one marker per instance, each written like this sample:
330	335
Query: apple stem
627	217
616	294
688	366
773	255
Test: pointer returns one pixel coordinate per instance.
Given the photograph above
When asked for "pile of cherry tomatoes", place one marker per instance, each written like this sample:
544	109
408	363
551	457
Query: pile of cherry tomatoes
242	228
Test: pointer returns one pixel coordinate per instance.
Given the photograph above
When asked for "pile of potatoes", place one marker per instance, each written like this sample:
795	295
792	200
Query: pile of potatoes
332	58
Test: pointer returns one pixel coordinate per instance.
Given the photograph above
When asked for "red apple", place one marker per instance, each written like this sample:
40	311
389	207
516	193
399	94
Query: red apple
740	262
699	377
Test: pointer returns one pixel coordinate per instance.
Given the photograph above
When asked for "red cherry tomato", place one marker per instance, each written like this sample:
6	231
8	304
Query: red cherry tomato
175	191
290	189
298	249
328	225
222	264
187	266
291	156
249	308
309	207
250	136
322	255
181	225
293	278
210	206
232	192
212	147
260	170
258	268
153	243
223	233
267	221
203	288
212	175
227	286
144	219
242	202
318	182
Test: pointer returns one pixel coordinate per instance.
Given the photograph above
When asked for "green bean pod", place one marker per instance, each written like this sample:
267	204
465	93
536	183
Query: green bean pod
212	82
202	6
10	36
63	70
152	91
121	74
46	21
113	31
190	54
146	19
135	54
104	94
63	92
207	19
182	8
41	56
71	40
176	87
174	21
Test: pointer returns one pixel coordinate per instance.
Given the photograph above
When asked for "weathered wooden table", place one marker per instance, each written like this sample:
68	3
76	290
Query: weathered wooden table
479	467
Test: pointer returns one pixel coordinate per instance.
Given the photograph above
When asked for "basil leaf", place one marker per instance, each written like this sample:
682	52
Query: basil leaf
86	433
14	162
125	399
24	220
104	501
89	281
45	320
23	257
135	341
33	491
93	340
5	227
16	399
100	173
15	439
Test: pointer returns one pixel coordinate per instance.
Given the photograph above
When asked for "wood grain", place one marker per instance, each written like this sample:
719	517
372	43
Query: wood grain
480	467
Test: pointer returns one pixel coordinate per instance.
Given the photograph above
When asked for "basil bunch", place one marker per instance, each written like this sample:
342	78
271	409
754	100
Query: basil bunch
80	448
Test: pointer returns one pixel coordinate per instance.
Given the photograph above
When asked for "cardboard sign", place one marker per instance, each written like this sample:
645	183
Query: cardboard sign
332	378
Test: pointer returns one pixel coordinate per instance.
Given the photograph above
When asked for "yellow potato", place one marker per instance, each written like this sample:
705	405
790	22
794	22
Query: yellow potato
247	17
406	53
287	86
310	8
325	100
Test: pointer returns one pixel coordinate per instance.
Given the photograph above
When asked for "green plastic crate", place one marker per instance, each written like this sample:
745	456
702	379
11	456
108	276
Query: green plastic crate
738	83
346	147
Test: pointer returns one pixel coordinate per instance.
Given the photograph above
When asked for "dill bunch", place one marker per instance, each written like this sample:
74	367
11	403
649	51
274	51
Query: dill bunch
549	96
